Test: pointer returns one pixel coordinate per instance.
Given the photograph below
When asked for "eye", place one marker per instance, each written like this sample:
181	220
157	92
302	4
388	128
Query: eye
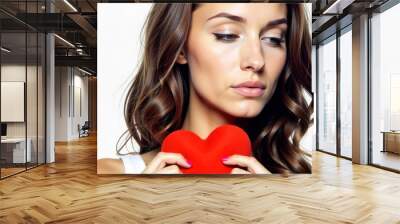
273	41
226	37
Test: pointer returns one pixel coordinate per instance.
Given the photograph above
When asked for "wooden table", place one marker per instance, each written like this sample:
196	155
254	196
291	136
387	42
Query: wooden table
391	141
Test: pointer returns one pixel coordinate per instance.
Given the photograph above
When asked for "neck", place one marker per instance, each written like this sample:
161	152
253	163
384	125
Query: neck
202	118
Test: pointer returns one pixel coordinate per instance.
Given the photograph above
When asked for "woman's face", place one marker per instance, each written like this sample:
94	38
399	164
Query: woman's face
235	54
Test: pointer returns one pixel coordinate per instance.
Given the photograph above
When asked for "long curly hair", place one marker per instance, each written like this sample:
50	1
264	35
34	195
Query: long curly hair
157	100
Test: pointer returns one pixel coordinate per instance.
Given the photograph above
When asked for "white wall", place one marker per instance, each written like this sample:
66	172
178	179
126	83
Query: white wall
80	83
67	116
61	103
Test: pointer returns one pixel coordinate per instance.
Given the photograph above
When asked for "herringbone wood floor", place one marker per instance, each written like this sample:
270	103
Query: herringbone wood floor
70	191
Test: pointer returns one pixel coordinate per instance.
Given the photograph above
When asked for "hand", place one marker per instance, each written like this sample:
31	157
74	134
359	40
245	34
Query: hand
250	165
166	163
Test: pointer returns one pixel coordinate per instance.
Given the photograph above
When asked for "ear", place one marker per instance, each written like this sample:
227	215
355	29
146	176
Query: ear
181	58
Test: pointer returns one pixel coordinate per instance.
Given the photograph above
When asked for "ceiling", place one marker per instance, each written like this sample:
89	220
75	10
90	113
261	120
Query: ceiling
76	22
329	16
77	25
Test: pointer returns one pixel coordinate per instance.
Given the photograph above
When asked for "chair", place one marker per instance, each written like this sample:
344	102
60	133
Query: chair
84	130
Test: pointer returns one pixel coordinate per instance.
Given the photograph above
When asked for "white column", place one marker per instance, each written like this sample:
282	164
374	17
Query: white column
360	90
50	93
50	100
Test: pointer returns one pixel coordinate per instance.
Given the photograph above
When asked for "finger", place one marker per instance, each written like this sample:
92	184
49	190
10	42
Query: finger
239	171
173	169
163	158
250	163
240	160
173	158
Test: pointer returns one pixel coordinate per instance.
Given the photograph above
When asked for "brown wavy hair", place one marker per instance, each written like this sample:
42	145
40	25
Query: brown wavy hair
157	100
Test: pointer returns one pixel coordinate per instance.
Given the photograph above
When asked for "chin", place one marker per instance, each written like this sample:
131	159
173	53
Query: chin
246	112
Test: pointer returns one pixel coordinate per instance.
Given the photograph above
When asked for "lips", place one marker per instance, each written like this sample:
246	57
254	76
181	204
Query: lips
250	88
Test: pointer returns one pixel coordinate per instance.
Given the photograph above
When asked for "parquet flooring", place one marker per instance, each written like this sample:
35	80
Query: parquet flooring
70	191
9	171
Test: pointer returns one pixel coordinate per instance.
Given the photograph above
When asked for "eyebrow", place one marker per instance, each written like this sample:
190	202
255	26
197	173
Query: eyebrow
229	16
270	24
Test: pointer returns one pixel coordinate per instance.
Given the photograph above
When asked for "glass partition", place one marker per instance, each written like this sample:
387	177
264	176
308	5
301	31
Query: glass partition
385	89
346	92
22	77
13	103
327	95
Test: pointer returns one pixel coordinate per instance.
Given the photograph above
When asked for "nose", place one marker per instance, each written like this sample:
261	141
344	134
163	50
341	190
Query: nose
252	58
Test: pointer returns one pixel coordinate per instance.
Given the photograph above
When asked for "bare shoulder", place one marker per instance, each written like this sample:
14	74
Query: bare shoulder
116	166
110	166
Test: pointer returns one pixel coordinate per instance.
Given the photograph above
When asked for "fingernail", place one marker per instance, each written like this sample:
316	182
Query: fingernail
225	159
190	164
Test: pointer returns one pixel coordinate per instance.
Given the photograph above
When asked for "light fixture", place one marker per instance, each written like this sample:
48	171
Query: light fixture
337	7
5	50
65	41
84	71
70	5
79	51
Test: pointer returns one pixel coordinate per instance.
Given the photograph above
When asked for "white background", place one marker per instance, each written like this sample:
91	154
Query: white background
118	34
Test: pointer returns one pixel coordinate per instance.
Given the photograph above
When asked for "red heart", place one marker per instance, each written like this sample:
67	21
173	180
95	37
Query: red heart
206	155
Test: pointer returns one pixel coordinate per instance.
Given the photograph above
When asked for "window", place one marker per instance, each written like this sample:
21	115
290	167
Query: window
346	92
327	95
385	89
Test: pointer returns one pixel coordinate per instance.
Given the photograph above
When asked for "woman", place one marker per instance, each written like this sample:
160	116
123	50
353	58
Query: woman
205	65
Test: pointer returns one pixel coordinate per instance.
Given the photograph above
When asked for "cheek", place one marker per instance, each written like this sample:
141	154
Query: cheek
275	62
211	65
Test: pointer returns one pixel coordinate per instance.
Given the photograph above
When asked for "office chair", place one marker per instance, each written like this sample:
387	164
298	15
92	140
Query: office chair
84	130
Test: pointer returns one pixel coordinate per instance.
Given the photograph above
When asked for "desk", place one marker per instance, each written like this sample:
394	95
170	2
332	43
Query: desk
15	148
391	141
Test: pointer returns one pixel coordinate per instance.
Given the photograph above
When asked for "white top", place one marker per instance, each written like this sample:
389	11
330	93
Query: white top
133	163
